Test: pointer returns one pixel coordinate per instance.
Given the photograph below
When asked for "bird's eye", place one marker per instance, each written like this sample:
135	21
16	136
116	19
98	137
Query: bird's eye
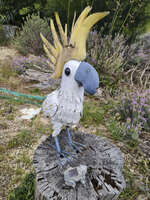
67	71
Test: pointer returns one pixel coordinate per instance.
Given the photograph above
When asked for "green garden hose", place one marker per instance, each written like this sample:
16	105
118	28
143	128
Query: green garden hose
19	97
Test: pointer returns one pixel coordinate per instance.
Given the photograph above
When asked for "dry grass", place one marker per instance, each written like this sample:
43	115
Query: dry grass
19	138
8	54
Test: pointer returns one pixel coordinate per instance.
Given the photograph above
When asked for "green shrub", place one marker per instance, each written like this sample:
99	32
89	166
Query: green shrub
25	191
126	17
138	62
135	113
140	52
92	114
28	39
3	39
107	55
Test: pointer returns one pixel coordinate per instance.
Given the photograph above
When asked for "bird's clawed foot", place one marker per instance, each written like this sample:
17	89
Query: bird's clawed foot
66	157
78	147
63	156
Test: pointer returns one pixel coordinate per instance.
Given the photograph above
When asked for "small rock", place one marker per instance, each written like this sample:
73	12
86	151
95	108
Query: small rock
98	93
141	197
75	174
9	30
29	113
51	84
34	75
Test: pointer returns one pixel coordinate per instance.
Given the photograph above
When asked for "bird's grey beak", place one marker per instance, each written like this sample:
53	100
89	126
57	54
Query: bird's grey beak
87	77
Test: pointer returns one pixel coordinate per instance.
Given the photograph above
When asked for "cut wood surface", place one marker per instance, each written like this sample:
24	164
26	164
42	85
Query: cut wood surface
104	179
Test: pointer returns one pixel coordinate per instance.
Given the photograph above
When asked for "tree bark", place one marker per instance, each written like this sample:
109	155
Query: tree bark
104	179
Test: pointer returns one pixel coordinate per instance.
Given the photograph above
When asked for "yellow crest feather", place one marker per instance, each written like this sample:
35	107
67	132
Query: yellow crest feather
49	46
61	31
64	50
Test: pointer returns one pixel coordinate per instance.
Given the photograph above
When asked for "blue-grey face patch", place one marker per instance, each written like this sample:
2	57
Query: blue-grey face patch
88	77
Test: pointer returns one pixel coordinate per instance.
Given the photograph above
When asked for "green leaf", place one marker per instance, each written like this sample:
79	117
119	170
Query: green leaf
135	136
24	11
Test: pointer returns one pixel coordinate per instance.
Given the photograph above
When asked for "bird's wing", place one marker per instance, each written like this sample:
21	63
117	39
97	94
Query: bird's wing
50	104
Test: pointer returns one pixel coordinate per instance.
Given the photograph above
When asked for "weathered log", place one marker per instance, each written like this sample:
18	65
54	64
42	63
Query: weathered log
104	179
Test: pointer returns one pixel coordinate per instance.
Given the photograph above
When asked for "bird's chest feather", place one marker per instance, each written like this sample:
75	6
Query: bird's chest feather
70	107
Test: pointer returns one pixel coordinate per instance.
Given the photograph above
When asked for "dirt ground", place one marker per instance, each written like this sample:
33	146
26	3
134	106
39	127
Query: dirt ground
8	54
19	138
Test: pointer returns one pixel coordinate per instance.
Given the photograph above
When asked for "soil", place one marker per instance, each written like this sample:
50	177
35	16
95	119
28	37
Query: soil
17	148
8	54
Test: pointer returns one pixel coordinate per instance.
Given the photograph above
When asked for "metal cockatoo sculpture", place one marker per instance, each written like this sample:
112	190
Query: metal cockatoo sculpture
64	105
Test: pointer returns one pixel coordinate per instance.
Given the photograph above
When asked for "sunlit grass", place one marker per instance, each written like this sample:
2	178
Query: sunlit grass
24	138
6	70
23	158
91	114
94	113
25	191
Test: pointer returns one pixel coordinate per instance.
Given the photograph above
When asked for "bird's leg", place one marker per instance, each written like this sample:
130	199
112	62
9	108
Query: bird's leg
74	145
60	154
57	145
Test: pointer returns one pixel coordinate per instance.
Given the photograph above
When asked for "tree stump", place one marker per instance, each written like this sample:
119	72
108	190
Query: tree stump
104	179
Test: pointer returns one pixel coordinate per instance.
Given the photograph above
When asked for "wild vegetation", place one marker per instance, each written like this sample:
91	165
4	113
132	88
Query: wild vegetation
125	14
121	113
28	39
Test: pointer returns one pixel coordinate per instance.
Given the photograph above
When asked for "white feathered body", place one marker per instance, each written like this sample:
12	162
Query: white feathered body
64	106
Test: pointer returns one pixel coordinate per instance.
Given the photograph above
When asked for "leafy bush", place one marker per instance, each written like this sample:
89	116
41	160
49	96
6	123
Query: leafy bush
107	55
127	17
25	191
134	111
12	12
28	39
140	51
3	39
